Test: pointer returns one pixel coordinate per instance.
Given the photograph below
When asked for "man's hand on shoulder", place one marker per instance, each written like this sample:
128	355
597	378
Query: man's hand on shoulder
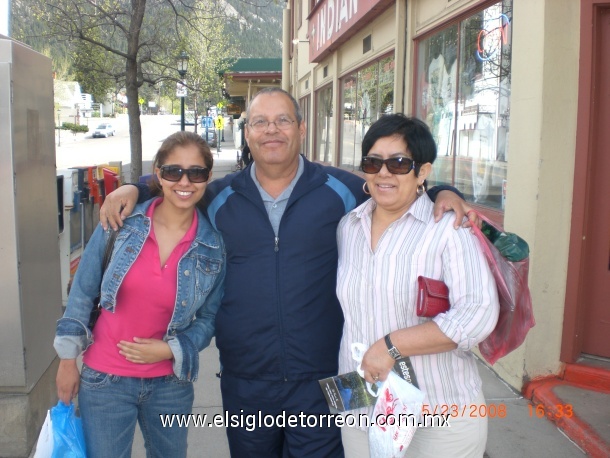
448	201
118	205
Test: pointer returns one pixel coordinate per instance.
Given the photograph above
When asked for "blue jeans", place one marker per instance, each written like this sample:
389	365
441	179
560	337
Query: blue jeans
110	405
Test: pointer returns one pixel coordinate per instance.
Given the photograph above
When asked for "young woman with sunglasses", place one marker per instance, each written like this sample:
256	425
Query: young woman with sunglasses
160	294
384	245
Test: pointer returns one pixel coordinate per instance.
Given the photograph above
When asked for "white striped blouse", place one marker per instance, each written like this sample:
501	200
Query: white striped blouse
377	291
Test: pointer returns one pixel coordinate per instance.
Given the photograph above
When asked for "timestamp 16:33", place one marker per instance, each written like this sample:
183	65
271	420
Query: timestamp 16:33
551	411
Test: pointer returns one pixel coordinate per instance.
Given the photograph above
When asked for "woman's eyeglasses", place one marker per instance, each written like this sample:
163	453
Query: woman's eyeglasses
395	165
194	174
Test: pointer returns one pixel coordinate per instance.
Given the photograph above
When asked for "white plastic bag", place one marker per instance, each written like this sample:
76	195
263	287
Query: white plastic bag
358	351
44	446
395	417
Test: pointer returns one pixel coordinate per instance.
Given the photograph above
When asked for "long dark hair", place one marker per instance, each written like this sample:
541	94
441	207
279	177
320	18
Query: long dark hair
180	138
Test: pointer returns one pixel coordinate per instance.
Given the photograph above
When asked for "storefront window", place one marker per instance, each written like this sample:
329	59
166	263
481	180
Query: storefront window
351	132
463	82
366	95
324	125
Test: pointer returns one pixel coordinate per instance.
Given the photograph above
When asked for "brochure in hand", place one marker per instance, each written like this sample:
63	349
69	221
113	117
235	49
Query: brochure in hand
350	391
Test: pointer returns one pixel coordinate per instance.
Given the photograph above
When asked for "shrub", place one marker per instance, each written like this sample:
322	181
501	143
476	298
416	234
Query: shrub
74	128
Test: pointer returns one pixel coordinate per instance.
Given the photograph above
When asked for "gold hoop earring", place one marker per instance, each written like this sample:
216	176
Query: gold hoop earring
365	189
421	189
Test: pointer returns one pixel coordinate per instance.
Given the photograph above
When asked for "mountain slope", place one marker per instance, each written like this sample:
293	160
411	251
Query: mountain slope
256	29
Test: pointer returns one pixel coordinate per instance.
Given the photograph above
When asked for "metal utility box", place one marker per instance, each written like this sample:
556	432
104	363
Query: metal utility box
30	267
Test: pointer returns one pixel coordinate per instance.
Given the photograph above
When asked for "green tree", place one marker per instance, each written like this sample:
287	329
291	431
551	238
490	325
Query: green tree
143	35
207	59
95	69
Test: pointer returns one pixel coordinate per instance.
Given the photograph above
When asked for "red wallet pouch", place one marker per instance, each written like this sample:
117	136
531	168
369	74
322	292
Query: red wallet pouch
432	297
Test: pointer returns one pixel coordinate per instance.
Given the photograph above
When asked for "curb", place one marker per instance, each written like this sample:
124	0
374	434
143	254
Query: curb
588	377
540	393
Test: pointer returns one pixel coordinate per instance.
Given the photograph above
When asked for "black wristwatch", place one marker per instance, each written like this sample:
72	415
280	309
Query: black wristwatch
392	350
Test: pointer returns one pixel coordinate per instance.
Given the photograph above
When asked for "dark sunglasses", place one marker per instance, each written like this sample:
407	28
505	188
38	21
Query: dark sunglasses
395	165
194	174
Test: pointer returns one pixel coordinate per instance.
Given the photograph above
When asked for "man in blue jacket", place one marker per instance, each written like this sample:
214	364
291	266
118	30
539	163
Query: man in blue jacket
279	325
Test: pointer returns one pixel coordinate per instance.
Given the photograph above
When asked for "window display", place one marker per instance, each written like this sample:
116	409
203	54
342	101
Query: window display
366	95
304	104
324	136
463	93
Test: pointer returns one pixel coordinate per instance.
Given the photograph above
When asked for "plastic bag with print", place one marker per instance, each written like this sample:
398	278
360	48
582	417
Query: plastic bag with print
395	417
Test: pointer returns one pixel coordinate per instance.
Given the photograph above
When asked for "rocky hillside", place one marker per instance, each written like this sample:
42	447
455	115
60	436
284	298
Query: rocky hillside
257	28
254	27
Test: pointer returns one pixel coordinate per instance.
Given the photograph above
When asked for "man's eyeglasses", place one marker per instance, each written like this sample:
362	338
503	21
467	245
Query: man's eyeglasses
395	165
194	174
282	123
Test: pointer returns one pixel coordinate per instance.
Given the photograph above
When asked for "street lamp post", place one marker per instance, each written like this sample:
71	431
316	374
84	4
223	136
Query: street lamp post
183	62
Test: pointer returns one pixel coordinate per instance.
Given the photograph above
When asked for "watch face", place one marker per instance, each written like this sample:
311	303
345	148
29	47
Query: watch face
392	350
394	353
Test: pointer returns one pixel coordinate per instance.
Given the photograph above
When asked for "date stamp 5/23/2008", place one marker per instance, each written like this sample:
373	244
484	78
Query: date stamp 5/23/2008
496	410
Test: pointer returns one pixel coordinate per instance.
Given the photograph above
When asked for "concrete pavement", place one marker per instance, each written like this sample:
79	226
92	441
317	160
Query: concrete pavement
520	433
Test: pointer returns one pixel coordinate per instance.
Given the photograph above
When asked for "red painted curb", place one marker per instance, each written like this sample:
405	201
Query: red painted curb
540	392
590	377
530	387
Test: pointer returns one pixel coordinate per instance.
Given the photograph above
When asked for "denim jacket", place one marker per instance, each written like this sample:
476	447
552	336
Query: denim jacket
201	272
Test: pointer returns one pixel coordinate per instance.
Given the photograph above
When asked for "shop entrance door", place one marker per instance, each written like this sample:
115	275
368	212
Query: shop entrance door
596	265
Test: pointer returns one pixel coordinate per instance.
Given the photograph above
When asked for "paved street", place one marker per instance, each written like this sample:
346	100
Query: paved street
83	150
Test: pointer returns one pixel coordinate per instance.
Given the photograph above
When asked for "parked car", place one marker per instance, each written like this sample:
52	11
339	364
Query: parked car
104	130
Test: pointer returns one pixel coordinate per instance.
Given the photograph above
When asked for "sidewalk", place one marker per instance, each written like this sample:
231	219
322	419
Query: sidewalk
584	390
521	433
518	434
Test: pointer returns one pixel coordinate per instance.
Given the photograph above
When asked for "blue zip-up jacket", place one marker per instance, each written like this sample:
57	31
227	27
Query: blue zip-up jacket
201	272
280	318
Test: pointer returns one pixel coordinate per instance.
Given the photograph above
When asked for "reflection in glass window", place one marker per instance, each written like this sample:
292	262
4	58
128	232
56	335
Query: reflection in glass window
365	96
463	82
304	104
351	134
324	125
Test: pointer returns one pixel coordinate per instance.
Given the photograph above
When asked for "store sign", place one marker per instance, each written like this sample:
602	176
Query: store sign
234	109
333	21
492	37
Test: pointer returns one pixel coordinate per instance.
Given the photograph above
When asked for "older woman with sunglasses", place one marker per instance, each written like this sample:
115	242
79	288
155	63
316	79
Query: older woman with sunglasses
384	245
159	296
